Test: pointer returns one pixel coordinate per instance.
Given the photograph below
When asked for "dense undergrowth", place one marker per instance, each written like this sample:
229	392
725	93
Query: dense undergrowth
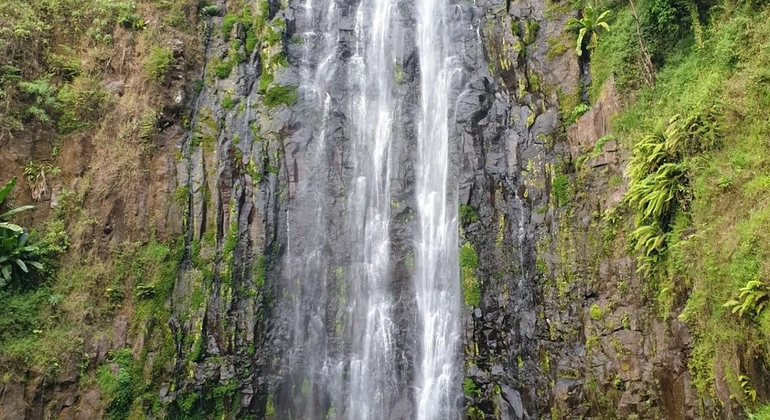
63	63
699	183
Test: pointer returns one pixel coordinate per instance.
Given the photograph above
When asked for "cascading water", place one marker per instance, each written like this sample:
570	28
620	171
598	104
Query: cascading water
437	279
372	104
363	379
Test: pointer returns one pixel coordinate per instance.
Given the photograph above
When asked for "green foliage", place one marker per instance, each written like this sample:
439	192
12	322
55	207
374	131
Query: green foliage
617	56
560	189
158	63
762	413
227	102
280	95
595	312
264	82
79	103
117	380
470	389
577	112
468	257
228	22
468	215
223	69
589	25
44	97
702	180
469	261
601	142
659	182
210	10
753	299
17	254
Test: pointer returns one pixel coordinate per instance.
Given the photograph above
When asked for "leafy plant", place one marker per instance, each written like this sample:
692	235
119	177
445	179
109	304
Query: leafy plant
36	178
589	25
577	112
753	299
157	64
44	95
17	255
280	95
118	383
659	180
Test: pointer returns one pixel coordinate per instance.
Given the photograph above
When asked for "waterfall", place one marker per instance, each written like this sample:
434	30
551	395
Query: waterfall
351	78
372	104
437	280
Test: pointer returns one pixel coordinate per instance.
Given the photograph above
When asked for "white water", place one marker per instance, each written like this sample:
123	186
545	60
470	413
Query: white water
370	78
364	381
437	279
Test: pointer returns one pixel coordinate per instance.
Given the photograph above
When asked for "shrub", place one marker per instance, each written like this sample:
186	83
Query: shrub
224	68
595	312
280	95
468	215
469	261
659	180
158	62
228	23
211	10
117	379
17	253
79	103
589	25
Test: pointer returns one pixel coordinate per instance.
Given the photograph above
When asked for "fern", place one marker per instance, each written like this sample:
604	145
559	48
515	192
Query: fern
754	298
659	181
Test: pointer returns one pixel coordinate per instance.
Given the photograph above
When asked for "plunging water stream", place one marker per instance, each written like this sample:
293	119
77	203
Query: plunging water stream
369	377
437	279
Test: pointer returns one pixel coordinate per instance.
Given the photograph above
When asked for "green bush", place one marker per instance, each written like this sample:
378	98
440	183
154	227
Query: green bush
228	23
470	389
18	255
659	182
211	10
468	215
595	312
158	63
224	68
78	104
560	189
117	380
280	95
469	261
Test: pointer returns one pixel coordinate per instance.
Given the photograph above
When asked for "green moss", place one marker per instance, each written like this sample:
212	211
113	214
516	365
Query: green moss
468	258
228	23
470	389
555	50
223	69
260	271
227	102
468	215
595	312
264	82
469	261
280	95
119	386
560	189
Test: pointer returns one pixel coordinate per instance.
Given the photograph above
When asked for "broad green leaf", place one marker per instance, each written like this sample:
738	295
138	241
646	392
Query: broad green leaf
8	214
23	266
6	189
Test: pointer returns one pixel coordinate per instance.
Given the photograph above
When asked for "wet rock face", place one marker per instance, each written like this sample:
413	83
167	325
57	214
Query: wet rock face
269	196
262	302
